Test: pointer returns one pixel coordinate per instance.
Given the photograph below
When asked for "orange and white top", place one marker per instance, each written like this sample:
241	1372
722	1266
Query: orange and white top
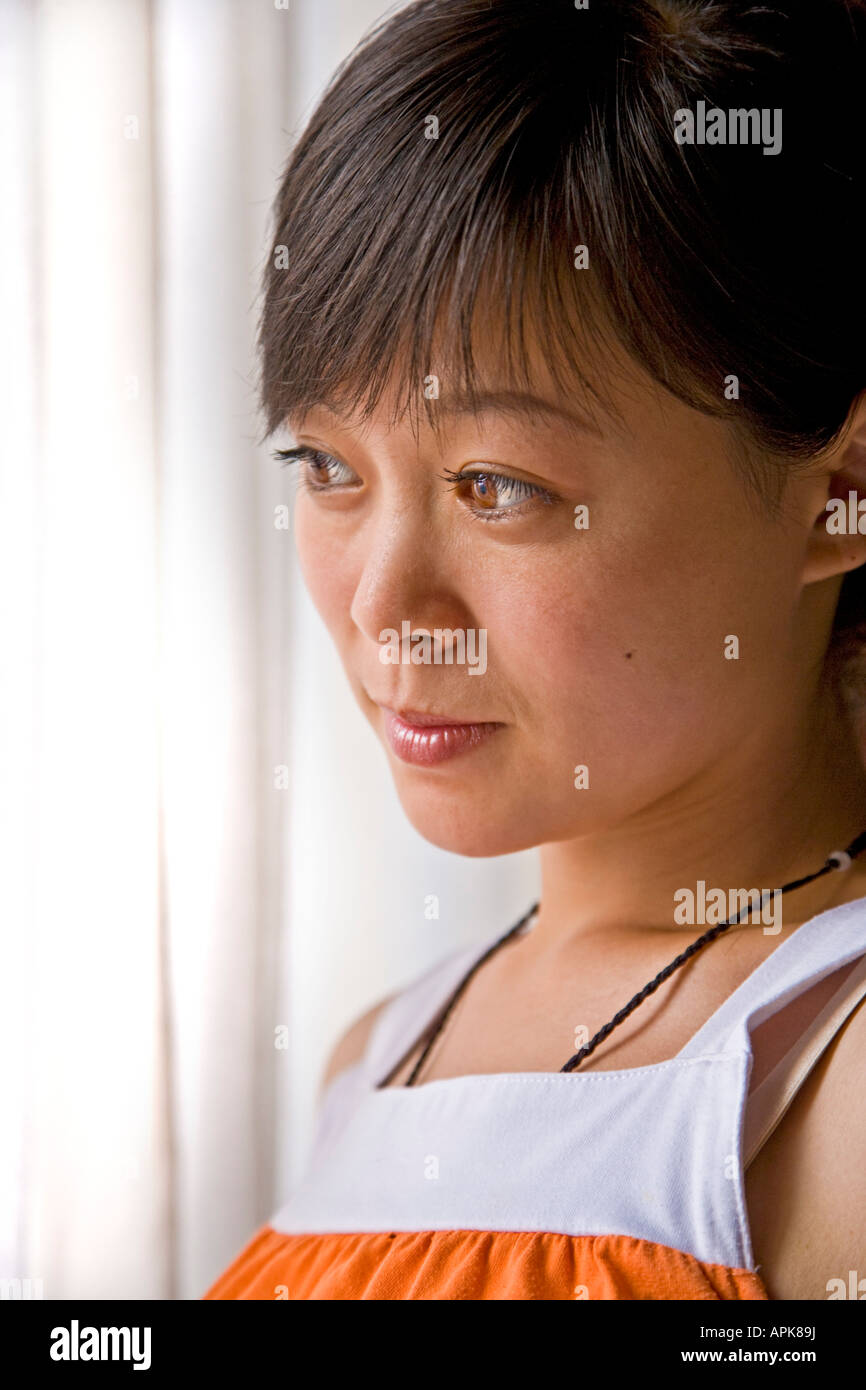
533	1185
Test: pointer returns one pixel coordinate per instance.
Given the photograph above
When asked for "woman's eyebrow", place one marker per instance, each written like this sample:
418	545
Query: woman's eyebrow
520	403
523	404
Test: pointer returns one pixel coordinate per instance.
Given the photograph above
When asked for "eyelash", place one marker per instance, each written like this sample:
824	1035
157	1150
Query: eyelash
526	491
304	454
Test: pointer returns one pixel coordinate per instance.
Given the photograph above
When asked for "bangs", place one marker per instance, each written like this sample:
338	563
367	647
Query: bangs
429	219
407	259
420	232
487	307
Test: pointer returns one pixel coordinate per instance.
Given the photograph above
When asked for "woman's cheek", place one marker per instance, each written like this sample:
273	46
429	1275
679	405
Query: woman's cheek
595	661
326	569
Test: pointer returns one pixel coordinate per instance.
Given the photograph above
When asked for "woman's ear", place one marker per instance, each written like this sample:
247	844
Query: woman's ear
838	540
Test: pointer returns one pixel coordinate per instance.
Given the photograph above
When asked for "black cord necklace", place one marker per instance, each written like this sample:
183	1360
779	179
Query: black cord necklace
838	860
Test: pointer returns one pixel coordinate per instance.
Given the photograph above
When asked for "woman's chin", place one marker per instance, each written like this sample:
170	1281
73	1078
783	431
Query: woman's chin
471	825
481	845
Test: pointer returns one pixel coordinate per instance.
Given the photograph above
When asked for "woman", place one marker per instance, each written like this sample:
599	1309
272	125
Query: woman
565	314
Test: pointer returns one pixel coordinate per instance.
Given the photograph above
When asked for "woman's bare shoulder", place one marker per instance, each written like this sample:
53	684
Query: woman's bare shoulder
350	1046
807	1186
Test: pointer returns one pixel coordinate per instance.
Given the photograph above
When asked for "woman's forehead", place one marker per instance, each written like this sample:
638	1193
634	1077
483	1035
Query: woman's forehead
595	405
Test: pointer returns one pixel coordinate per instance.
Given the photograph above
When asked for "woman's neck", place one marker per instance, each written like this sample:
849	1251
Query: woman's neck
771	814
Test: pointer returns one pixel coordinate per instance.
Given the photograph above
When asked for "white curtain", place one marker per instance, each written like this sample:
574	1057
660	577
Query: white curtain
165	906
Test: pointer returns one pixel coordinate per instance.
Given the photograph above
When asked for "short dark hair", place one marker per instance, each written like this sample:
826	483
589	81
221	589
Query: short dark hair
556	129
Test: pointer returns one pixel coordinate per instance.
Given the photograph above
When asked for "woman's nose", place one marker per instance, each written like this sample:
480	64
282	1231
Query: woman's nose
403	578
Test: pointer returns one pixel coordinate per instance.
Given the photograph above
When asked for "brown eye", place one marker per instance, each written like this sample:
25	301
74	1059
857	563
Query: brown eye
318	471
483	491
319	467
495	495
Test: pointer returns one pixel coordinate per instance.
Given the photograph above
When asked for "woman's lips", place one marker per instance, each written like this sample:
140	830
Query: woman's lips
427	739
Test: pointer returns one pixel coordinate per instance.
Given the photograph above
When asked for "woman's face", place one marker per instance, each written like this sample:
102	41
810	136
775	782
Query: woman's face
609	644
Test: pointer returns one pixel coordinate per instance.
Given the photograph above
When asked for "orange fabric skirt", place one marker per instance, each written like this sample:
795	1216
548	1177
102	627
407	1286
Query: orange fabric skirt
473	1265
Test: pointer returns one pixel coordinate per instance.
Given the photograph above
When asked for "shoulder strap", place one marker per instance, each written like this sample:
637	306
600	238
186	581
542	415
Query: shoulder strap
413	1010
813	950
770	1100
400	1022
